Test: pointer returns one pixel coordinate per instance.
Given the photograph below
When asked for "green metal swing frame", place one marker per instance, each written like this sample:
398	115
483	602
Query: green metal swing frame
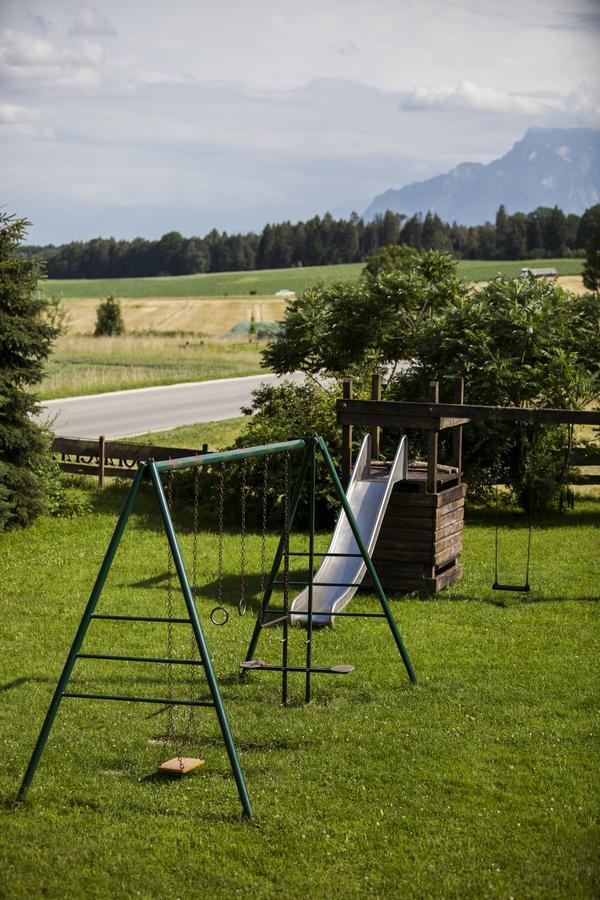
151	470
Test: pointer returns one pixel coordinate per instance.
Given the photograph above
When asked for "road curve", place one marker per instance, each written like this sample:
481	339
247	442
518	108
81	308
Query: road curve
126	413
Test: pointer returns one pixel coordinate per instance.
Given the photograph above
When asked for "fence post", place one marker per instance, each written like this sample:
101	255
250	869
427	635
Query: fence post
101	452
346	436
432	443
205	448
375	430
457	433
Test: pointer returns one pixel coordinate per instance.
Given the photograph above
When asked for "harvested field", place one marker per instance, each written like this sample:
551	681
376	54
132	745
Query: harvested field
210	316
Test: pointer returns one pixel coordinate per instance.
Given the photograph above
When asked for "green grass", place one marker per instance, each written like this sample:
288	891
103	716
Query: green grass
481	782
86	365
268	281
217	435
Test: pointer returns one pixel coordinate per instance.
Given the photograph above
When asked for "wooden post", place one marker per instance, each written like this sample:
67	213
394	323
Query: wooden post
432	443
101	461
457	433
375	430
205	448
346	436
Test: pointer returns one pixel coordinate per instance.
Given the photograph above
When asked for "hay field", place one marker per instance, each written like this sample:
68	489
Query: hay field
210	316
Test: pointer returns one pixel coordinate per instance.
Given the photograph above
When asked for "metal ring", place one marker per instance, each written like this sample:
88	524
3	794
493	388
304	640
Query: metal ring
219	621
242	607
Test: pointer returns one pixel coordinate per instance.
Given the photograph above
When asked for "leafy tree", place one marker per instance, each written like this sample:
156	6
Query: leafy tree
518	343
353	327
591	270
109	320
26	338
391	258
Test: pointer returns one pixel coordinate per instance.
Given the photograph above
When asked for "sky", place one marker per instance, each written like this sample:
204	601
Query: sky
136	118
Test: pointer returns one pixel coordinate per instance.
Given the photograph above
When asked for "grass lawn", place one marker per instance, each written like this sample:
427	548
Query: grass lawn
480	782
218	435
268	281
88	365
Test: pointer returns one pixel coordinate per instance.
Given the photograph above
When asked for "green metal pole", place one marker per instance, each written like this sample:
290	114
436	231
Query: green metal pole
369	562
286	578
81	631
200	640
311	563
278	556
206	459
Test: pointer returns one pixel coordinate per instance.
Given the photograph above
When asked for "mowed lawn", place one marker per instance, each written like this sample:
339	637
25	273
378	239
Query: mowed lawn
480	782
266	282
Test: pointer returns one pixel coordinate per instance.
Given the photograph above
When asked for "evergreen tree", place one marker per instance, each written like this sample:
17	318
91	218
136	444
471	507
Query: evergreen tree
109	320
25	343
591	270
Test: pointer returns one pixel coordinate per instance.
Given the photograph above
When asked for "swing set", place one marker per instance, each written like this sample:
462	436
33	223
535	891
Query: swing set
199	657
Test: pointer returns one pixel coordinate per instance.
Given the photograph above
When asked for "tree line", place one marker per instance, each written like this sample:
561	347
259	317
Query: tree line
545	232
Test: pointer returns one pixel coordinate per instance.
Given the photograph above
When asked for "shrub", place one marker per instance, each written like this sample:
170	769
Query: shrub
109	320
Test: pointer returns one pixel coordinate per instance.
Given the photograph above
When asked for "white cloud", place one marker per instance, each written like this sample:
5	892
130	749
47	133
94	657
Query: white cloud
20	122
89	21
11	113
469	96
46	63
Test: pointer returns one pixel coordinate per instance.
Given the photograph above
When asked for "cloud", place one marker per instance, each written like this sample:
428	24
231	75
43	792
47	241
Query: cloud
38	22
468	96
88	21
46	62
23	122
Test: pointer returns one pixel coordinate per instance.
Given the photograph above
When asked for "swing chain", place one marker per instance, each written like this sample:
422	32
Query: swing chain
171	733
263	545
219	609
192	716
242	601
286	531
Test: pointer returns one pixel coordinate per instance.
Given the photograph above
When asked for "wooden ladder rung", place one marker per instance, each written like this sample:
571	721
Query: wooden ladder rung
261	665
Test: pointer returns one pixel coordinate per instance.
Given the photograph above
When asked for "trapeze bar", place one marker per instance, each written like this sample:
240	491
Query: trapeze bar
256	665
306	553
140	619
206	459
144	659
162	701
316	613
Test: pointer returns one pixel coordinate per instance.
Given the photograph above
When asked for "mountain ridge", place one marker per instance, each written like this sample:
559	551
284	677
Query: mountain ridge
546	167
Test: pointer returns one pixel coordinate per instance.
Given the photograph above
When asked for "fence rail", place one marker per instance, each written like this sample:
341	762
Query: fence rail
112	459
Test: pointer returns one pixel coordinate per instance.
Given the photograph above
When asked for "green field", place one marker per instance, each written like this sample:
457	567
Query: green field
480	782
268	281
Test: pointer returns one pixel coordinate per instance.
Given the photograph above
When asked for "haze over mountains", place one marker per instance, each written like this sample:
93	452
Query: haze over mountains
547	167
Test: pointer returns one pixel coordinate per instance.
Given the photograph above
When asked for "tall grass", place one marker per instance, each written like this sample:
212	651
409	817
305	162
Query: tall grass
84	365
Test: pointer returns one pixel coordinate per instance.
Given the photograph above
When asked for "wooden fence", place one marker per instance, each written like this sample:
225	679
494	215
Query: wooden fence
111	459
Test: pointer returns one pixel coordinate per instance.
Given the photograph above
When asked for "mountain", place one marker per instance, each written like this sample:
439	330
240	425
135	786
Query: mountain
548	167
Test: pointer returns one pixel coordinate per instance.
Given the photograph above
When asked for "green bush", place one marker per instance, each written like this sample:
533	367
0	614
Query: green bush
109	319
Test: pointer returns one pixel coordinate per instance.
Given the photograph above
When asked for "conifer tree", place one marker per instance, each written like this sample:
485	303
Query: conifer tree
26	338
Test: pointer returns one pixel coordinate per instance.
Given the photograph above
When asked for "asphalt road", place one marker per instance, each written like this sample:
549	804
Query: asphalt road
126	413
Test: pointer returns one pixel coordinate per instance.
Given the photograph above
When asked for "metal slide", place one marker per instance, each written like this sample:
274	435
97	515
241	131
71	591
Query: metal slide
368	495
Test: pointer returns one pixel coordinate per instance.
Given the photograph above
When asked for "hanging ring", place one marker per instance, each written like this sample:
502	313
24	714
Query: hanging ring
242	607
219	616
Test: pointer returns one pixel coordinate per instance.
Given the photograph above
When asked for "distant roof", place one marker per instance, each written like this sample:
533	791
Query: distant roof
285	293
538	273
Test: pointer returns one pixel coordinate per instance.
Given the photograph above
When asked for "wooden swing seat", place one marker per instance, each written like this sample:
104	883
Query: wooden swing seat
180	765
